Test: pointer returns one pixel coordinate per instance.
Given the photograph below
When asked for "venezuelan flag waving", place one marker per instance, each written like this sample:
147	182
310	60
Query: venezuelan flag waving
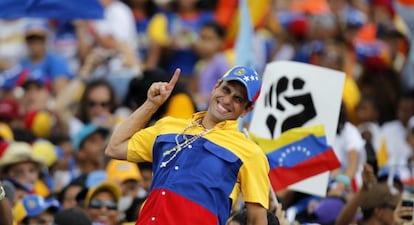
297	154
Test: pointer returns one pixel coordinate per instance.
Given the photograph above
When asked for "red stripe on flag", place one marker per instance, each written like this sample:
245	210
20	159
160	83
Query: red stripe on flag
281	177
166	207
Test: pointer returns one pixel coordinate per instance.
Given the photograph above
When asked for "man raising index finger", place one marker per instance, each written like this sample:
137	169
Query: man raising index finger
198	162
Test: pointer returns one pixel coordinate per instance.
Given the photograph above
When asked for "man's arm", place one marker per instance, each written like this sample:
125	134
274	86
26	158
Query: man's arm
158	93
256	214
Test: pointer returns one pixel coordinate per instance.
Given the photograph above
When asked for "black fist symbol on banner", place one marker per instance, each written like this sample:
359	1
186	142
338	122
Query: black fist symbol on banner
278	97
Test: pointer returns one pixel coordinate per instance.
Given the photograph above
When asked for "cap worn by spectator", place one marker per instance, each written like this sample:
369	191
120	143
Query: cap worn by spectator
45	151
9	110
39	122
120	171
328	209
37	28
248	77
106	186
72	216
95	178
33	205
380	195
87	131
30	80
18	152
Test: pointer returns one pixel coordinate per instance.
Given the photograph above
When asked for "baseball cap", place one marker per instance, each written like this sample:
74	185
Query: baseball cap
248	77
39	122
45	151
328	210
33	205
18	152
120	170
87	131
95	178
37	27
105	186
379	195
40	80
72	216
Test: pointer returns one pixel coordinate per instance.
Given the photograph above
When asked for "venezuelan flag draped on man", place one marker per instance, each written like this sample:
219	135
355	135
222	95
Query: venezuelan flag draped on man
297	154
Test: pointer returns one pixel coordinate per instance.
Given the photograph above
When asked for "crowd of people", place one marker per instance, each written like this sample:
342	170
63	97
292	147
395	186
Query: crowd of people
66	87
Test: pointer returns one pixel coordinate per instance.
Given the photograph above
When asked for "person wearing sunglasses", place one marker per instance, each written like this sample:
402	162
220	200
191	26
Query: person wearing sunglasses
102	204
97	105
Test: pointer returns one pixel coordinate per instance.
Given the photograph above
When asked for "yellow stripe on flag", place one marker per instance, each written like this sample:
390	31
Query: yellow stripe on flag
288	137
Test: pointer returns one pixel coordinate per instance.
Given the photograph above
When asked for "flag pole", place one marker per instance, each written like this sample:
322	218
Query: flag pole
272	191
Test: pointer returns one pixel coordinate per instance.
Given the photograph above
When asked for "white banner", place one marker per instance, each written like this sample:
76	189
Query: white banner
296	94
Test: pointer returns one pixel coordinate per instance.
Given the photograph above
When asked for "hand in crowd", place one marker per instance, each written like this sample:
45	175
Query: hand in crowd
368	177
281	215
400	212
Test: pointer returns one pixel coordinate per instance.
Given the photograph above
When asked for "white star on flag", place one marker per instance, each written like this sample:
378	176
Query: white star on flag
246	78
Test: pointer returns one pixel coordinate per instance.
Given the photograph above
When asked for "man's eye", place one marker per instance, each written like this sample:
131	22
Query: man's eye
238	100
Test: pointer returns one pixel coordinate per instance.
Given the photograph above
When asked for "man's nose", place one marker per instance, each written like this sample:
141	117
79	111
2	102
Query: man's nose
227	99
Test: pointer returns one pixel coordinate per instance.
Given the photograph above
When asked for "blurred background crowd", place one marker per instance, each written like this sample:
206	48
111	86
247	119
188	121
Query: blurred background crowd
65	85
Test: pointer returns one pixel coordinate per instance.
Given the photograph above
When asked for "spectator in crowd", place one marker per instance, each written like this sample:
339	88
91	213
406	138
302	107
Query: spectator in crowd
41	62
143	11
367	114
67	196
117	26
19	165
34	209
379	204
397	150
349	148
89	145
127	176
97	105
212	63
173	35
102	204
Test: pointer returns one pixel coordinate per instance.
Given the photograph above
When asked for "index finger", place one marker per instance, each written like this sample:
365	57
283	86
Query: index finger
174	78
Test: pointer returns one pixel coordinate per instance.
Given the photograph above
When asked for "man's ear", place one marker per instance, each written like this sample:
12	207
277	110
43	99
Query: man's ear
247	110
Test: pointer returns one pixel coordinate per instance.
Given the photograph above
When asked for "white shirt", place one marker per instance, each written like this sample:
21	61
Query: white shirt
118	22
395	134
350	140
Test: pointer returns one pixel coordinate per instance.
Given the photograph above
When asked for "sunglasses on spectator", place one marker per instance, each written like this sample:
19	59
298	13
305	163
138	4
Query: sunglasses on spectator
95	103
98	204
33	38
